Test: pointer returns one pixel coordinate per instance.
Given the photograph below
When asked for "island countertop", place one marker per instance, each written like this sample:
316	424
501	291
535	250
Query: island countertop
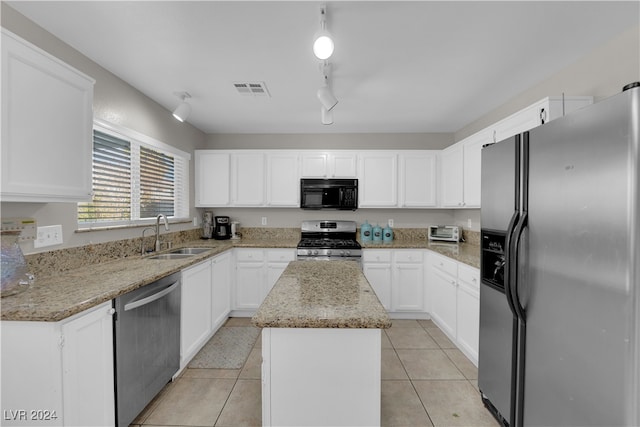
322	294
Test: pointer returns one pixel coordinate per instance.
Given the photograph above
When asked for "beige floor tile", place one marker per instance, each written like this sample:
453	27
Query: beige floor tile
453	403
211	373
144	414
244	407
427	323
440	337
192	402
385	340
404	323
428	365
258	343
253	366
461	361
238	321
401	406
410	338
392	368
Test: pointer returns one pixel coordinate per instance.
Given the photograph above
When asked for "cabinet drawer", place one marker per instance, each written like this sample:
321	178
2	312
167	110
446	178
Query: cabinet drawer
444	264
243	255
375	255
408	256
469	275
282	255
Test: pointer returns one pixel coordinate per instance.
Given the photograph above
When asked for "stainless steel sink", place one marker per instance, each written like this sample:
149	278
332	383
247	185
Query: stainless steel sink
189	251
171	256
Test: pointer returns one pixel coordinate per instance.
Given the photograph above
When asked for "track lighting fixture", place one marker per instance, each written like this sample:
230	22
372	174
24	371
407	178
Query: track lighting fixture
326	97
326	116
322	41
182	111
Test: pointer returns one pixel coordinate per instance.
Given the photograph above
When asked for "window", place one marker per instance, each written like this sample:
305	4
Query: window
135	178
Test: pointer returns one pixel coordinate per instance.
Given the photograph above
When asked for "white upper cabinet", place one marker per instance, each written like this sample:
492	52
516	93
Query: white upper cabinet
247	179
417	179
472	162
47	125
283	180
378	179
451	176
213	178
336	164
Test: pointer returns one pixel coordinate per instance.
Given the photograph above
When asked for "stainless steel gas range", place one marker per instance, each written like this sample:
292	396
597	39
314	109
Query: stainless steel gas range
329	240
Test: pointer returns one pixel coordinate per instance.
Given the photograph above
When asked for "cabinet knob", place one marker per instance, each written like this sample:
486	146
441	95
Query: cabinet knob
111	311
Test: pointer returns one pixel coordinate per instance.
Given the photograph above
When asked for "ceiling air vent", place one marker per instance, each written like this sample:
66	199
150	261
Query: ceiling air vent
251	88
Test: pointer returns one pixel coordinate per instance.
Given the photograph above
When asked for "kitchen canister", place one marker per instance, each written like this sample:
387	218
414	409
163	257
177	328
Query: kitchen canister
365	232
387	234
377	234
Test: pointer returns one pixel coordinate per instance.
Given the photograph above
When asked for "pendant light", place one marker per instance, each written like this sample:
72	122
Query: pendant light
182	111
323	42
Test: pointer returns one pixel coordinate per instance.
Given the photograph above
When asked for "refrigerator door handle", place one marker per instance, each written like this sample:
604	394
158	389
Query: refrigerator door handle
513	271
509	260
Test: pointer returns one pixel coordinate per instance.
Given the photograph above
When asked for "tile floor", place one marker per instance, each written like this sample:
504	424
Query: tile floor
426	381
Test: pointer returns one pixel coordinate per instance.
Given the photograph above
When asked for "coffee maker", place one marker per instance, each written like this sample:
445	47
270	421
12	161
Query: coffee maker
207	225
221	228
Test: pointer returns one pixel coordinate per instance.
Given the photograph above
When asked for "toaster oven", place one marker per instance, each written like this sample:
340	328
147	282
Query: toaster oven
445	233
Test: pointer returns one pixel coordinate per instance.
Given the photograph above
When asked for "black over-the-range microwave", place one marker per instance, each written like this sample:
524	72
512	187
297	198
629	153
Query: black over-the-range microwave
339	194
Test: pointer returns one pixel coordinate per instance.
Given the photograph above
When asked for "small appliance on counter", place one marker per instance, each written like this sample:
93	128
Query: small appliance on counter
222	228
445	233
235	230
207	225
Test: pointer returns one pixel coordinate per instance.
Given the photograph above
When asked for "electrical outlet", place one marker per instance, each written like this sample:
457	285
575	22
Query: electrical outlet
264	220
469	223
48	236
390	222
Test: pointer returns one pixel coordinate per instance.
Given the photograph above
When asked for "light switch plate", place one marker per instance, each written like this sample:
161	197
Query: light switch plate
48	236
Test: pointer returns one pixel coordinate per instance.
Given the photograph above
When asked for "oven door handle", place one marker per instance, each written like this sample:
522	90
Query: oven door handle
151	298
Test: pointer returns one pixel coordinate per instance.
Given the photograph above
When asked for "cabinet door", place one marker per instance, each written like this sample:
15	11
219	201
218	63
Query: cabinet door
315	165
472	150
249	285
378	175
342	165
221	289
87	364
443	296
408	287
379	277
468	319
417	180
195	314
451	168
247	172
212	176
283	180
47	126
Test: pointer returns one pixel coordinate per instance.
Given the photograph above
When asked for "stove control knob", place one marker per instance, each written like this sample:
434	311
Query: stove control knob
314	252
328	252
341	253
347	253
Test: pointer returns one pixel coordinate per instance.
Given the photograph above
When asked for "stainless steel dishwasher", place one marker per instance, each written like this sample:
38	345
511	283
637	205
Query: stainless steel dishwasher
147	344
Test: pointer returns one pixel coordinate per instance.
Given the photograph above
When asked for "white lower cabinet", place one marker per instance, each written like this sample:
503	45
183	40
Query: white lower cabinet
59	373
221	289
455	303
257	270
195	310
397	278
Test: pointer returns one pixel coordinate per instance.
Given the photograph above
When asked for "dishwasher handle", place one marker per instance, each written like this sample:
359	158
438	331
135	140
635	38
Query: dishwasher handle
151	298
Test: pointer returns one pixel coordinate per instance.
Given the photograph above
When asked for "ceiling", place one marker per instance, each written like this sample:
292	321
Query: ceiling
416	66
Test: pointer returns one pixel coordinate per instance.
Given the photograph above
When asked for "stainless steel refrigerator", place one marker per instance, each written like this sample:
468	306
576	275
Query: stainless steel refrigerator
560	267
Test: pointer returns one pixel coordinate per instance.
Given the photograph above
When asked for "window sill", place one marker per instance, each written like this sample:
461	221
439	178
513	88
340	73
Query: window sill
125	226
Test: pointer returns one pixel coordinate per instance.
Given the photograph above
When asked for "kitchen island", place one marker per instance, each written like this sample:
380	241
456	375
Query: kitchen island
321	347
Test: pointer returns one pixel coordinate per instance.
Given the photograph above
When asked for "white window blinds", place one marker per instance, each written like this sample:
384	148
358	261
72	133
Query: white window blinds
133	182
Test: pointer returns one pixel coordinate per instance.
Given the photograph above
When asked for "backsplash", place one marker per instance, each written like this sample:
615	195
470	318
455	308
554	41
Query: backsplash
52	262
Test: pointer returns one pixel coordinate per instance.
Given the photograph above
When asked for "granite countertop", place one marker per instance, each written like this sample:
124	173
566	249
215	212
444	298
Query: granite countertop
331	294
55	297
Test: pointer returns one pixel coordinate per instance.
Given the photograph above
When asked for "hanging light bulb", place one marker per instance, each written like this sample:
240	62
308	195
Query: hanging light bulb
323	43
